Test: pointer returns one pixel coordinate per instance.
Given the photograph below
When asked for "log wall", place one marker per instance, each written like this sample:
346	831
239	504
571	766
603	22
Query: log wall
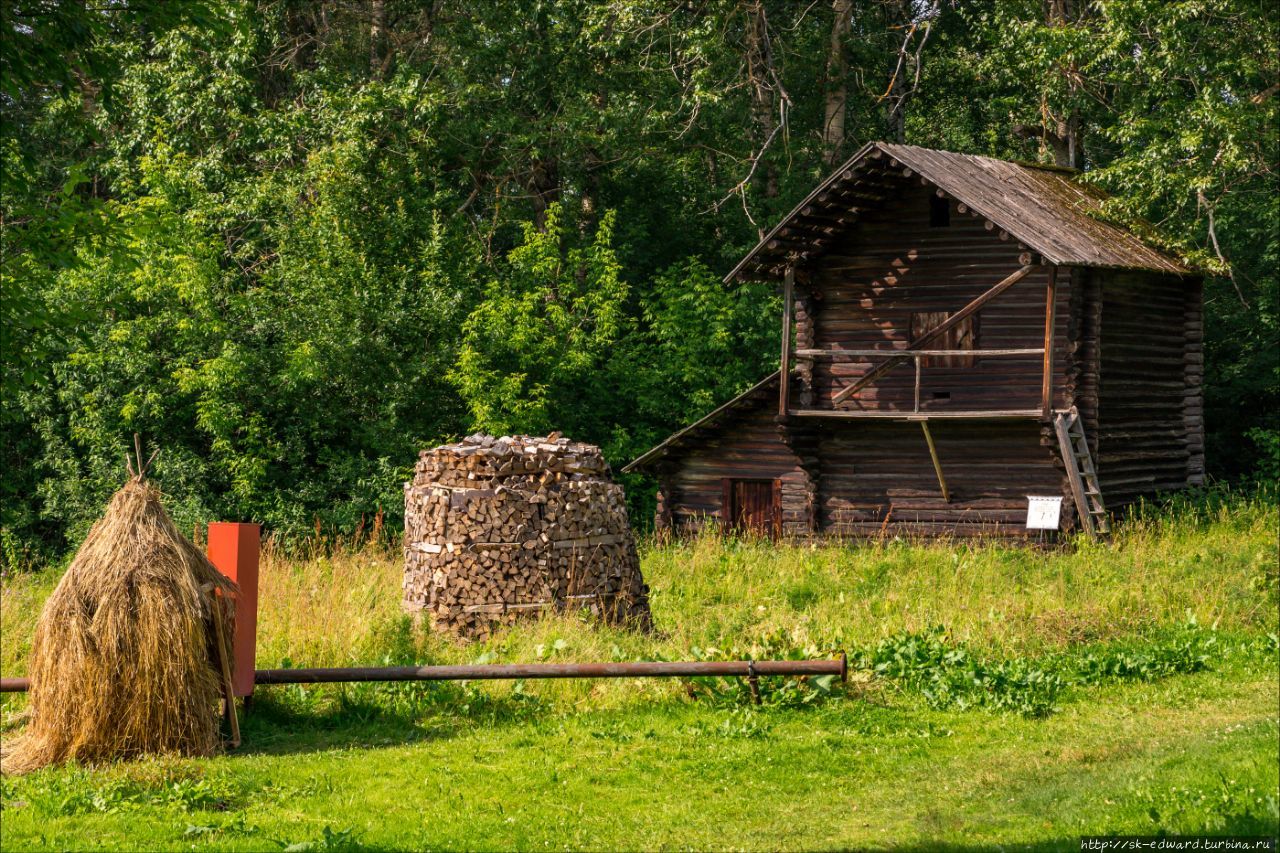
874	477
878	477
892	264
1150	415
749	447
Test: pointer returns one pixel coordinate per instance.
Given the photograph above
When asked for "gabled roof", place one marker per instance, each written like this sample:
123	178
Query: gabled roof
752	396
1043	207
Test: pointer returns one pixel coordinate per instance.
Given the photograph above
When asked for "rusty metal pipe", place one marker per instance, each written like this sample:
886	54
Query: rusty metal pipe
482	672
478	672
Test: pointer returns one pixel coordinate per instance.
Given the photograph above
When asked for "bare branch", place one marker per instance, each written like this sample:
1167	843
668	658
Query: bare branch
1217	250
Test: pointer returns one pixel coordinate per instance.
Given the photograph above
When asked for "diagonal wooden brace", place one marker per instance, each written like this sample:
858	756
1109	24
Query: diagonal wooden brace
929	337
937	463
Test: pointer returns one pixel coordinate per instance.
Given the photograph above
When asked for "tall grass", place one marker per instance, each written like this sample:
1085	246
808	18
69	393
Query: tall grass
1211	556
1206	558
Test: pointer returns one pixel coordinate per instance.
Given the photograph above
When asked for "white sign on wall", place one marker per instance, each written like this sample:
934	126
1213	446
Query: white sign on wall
1043	512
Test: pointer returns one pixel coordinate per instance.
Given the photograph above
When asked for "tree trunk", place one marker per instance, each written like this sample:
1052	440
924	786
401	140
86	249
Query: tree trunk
1065	139
833	114
898	110
592	161
763	94
544	183
900	13
377	37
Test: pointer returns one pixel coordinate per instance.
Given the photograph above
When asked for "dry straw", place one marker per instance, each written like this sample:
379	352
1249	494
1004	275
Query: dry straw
125	660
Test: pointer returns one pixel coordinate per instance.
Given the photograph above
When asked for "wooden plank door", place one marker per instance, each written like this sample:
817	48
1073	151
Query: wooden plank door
752	506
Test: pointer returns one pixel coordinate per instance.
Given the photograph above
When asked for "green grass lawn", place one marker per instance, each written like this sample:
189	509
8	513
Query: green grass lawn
999	697
1188	754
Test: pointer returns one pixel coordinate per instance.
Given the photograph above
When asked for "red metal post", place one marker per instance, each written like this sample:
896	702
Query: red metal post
233	548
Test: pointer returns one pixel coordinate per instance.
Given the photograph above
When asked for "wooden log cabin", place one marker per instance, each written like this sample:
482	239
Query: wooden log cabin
959	333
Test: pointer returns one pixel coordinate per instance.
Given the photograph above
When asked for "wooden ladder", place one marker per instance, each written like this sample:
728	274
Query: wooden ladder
1081	473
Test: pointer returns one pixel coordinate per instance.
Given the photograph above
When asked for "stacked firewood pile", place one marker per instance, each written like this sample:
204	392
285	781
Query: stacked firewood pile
498	528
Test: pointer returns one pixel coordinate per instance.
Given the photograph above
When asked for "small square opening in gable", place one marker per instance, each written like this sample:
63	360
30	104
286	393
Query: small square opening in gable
939	212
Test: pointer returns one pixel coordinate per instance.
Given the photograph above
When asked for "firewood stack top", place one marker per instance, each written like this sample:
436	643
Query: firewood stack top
497	528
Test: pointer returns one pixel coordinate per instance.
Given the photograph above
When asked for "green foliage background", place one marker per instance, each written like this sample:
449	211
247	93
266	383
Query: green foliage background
294	243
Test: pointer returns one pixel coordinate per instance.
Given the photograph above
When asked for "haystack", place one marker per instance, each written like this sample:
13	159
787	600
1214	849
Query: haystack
126	658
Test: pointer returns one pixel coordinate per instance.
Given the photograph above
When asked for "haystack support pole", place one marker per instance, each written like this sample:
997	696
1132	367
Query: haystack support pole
489	672
234	549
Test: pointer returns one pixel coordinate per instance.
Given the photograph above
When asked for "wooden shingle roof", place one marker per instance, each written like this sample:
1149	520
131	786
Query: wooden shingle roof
709	422
1043	207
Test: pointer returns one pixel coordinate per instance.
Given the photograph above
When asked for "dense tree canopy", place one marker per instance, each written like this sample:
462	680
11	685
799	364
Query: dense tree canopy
293	243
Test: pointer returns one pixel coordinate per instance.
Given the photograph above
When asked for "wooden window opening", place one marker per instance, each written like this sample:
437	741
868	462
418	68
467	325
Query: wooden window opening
962	336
